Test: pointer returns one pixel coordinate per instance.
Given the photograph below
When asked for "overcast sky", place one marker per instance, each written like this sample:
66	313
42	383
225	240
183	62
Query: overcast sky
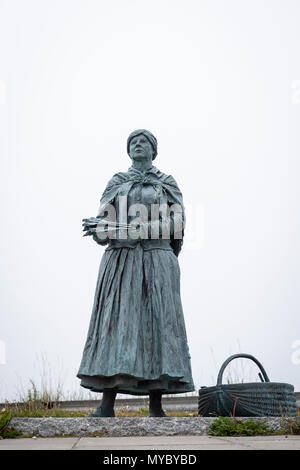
218	83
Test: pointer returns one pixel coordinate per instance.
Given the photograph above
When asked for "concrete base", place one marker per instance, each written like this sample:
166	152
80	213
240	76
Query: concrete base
182	443
118	427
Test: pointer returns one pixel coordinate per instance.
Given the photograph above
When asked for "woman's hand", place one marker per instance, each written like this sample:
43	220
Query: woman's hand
89	225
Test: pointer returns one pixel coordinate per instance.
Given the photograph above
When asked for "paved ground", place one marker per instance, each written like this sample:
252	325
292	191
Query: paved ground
155	443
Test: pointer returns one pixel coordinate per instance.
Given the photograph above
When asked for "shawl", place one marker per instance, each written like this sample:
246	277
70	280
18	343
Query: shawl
121	183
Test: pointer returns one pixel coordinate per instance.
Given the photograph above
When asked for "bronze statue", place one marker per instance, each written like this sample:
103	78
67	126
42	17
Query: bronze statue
136	342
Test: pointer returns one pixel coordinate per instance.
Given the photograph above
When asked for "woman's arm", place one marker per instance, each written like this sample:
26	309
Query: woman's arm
91	228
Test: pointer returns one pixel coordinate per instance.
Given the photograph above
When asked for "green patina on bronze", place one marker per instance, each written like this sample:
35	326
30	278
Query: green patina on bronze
136	342
263	398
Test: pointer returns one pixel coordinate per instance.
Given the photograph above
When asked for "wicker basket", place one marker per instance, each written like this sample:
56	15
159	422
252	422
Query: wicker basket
247	399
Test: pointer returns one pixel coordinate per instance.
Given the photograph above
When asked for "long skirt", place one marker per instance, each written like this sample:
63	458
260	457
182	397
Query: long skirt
137	339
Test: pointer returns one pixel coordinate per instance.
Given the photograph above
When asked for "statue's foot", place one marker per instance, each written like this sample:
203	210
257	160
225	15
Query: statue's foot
157	413
102	412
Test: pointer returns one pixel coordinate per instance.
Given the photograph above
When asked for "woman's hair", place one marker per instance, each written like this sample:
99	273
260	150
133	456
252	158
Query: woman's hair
148	135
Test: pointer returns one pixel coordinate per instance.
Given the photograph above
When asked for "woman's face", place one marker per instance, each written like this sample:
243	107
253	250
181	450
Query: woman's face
140	148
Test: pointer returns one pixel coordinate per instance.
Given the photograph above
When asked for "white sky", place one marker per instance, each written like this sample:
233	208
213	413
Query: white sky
218	83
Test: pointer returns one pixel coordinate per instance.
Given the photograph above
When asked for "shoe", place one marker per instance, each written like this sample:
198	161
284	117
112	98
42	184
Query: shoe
157	414
100	413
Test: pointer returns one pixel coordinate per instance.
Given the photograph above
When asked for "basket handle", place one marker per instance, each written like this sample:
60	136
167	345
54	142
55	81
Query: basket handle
247	356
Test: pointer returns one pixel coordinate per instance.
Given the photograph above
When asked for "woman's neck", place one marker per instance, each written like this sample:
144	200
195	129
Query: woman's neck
142	165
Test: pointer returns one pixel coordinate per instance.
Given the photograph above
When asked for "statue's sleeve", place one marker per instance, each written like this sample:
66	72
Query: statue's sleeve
171	221
176	213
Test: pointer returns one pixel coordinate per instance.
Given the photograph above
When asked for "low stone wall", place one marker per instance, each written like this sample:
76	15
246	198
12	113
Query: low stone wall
113	427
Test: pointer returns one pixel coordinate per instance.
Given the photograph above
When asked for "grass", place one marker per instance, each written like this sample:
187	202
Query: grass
142	413
41	400
42	403
5	431
292	427
225	426
38	410
230	426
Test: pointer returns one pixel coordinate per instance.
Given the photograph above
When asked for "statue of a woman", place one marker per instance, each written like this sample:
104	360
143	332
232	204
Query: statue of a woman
136	342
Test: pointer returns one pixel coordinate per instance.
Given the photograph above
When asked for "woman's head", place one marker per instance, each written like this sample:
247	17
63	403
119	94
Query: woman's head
140	144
